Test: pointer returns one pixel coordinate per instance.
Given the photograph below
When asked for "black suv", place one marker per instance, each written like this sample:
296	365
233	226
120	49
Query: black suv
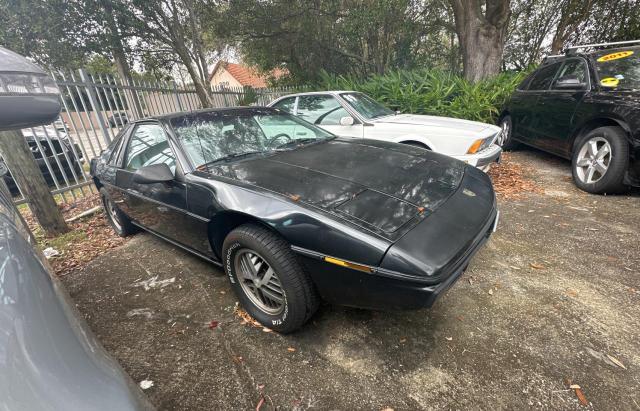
584	107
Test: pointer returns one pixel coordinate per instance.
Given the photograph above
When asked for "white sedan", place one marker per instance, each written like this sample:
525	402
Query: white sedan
356	115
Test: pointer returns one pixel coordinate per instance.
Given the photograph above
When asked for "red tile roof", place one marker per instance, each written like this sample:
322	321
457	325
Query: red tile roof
246	76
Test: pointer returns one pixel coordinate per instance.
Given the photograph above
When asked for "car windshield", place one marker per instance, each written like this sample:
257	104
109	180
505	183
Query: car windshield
366	106
619	69
219	136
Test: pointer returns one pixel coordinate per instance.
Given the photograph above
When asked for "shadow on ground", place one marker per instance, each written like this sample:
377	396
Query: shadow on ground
554	293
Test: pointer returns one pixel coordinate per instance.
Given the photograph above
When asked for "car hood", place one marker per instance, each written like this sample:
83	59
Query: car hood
473	127
380	186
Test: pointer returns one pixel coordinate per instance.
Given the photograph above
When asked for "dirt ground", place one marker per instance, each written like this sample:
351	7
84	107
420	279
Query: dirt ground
553	300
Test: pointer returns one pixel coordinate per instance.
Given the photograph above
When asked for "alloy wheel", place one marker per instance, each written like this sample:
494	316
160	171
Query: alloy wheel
503	135
113	213
593	160
259	282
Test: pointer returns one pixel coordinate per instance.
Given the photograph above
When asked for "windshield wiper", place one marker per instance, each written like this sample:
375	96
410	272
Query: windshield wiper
295	143
232	156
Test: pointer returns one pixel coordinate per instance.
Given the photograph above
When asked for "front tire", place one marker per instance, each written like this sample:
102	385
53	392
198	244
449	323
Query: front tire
600	161
120	223
267	278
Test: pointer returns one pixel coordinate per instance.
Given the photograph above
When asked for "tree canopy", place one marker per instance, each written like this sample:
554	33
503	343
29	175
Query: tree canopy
308	37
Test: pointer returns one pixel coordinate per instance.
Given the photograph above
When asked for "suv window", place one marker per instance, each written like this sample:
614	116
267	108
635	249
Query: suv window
524	85
149	145
543	78
324	110
574	68
286	104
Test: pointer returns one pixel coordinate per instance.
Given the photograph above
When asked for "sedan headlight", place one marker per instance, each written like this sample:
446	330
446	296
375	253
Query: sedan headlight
480	144
475	146
18	83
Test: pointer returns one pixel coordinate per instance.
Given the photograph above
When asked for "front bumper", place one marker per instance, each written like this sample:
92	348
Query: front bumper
484	158
348	287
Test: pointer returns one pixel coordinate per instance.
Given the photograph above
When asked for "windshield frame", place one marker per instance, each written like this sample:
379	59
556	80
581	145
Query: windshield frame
598	75
344	96
178	122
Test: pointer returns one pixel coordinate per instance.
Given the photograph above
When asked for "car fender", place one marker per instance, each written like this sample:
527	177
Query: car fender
230	205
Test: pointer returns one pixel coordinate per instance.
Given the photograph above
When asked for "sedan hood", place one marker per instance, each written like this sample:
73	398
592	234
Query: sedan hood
473	127
378	185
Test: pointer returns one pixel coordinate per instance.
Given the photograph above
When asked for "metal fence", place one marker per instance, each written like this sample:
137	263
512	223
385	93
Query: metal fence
95	107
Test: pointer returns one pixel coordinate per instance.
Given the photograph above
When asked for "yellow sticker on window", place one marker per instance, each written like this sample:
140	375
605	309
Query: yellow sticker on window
609	82
615	56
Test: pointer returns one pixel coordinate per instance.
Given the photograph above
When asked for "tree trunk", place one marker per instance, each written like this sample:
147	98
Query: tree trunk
481	35
26	173
201	89
125	76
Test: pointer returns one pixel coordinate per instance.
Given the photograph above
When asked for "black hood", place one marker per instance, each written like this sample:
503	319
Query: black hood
379	185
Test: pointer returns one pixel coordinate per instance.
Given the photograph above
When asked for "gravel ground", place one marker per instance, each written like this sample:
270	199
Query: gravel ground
551	301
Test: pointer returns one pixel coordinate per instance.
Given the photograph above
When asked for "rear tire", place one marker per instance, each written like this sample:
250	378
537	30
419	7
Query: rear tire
600	161
118	220
268	279
507	142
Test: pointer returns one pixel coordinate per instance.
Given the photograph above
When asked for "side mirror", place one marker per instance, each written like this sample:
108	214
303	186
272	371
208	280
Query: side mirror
346	121
28	96
155	173
569	83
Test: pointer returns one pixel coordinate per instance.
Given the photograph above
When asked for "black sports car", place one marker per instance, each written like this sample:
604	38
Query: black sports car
294	213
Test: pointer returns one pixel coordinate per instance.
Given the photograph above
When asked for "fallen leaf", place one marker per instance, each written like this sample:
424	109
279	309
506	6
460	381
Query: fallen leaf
260	403
213	324
536	266
616	361
572	293
403	340
581	397
291	349
460	318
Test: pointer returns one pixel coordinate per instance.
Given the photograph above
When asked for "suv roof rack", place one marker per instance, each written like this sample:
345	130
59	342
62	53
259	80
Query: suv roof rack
615	43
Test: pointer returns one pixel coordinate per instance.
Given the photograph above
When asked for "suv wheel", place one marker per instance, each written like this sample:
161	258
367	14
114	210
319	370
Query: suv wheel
267	278
505	139
120	223
600	160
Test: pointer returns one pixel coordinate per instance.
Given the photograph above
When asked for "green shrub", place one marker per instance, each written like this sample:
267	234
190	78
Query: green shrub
435	92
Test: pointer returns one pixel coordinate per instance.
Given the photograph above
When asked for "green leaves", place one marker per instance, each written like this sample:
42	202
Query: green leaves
432	91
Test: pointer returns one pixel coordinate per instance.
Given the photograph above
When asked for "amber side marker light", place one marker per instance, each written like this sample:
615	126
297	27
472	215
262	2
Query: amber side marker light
475	146
347	264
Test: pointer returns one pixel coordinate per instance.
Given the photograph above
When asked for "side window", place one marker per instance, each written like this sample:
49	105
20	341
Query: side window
574	69
524	85
116	146
286	104
149	145
543	78
322	110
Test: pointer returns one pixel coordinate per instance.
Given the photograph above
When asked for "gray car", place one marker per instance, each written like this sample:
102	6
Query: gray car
49	359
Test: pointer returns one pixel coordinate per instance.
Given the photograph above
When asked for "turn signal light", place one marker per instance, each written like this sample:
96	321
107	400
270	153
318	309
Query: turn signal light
347	264
475	146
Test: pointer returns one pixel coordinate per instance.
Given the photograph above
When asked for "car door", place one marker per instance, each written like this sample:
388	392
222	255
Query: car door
159	207
557	107
529	120
325	111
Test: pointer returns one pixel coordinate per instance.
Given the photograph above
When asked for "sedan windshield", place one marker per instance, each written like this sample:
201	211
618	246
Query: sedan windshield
219	136
619	69
366	106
